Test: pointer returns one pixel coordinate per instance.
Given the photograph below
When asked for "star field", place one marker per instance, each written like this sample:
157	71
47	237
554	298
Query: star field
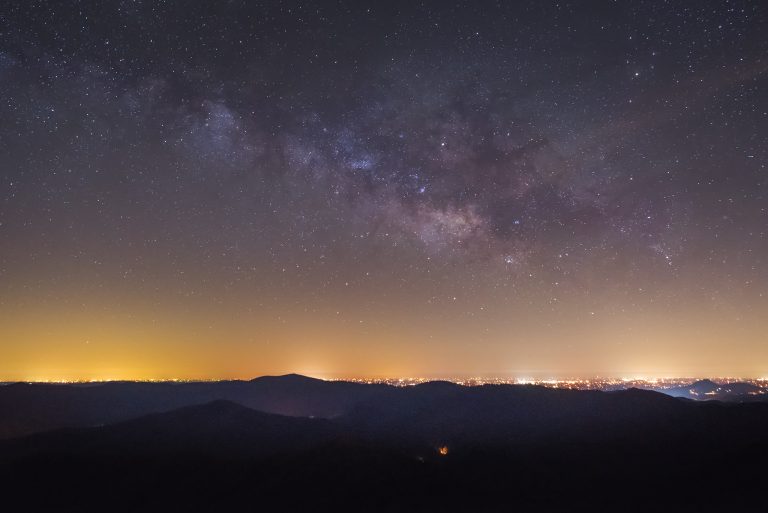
222	189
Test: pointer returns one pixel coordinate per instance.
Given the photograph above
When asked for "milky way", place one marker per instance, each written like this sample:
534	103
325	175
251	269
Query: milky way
354	187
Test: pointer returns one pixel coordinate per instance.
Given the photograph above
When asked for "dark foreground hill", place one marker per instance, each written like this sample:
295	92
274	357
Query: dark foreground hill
508	448
29	408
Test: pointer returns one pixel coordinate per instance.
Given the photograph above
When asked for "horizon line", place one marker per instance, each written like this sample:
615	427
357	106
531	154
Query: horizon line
459	379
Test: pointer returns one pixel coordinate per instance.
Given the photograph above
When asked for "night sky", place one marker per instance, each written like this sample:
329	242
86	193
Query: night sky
228	189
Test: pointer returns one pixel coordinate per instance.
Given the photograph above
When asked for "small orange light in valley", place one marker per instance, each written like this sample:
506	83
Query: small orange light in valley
443	450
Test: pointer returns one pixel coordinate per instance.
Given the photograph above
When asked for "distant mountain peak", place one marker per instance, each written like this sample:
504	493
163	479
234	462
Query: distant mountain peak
292	377
438	384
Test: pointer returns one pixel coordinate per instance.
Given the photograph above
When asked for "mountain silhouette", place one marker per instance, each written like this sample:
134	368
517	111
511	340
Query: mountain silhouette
29	408
707	389
219	427
431	447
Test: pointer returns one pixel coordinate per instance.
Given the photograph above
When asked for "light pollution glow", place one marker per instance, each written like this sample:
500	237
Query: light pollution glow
115	345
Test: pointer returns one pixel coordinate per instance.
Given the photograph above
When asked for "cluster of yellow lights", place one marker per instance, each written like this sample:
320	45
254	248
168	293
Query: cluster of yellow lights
576	383
110	380
596	382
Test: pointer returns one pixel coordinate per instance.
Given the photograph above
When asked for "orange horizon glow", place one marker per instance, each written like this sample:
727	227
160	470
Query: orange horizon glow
131	342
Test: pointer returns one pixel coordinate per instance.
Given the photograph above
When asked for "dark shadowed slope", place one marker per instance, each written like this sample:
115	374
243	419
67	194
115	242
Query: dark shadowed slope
220	428
508	448
219	456
504	414
29	408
